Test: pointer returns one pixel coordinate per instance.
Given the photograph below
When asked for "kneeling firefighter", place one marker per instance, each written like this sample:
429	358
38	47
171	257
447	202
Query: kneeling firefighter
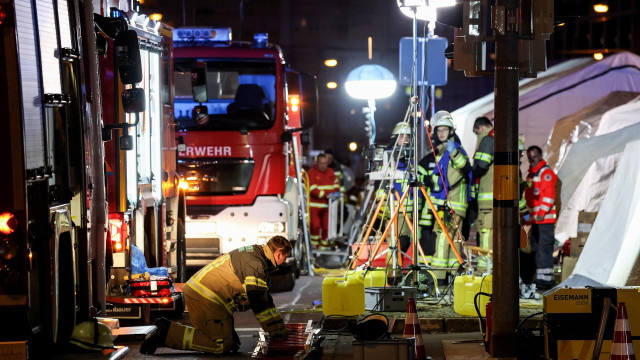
234	281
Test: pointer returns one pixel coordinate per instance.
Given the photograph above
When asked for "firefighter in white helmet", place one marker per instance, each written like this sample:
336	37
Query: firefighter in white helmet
449	188
401	138
402	155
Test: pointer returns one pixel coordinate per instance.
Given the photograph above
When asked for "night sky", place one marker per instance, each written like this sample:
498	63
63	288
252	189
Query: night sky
311	31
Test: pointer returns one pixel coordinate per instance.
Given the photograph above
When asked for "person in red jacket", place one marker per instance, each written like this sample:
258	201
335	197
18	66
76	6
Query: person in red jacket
322	184
540	195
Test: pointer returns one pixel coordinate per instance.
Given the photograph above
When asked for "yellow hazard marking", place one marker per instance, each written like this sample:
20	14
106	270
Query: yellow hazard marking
505	182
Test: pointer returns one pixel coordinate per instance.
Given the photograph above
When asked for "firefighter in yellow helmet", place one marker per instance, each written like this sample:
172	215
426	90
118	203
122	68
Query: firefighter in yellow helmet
233	282
450	187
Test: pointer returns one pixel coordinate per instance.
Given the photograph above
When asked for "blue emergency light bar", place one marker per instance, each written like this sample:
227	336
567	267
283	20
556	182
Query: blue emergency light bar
198	34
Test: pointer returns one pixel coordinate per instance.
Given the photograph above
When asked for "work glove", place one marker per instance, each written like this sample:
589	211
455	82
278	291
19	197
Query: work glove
280	333
451	146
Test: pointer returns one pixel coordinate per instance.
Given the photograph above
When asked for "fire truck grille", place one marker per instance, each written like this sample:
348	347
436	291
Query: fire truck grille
217	177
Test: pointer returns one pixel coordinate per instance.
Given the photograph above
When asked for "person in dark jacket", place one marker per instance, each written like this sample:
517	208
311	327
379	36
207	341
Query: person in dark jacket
236	281
482	171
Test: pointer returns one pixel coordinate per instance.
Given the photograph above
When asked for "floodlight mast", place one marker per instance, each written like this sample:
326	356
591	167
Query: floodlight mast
414	6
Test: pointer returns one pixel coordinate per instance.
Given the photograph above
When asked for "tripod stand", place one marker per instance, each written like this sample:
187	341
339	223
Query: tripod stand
390	197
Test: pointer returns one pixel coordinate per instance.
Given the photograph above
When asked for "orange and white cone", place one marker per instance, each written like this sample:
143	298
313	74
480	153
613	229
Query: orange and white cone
412	329
622	346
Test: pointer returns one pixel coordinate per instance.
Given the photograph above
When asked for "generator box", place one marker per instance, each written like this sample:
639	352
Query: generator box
573	317
388	298
387	349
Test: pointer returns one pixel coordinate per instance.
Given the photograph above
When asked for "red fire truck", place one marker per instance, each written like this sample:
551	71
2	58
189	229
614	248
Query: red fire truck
235	103
140	160
52	203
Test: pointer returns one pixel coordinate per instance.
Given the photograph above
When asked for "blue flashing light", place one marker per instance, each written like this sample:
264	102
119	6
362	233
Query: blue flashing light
260	40
116	13
201	34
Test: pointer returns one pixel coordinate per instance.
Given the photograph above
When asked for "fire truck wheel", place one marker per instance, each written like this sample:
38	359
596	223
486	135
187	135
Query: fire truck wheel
283	280
297	258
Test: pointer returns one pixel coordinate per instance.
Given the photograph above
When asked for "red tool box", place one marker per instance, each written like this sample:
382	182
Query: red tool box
154	286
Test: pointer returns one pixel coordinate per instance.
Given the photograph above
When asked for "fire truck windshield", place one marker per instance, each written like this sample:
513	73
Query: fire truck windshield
240	93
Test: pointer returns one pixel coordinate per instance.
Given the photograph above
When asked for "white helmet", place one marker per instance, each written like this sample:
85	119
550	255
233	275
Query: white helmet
442	118
401	128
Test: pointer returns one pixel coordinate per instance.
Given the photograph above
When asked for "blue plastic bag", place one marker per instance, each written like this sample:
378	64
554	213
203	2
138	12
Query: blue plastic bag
139	264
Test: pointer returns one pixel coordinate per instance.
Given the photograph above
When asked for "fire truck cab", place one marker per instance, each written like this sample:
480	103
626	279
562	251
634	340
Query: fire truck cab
235	105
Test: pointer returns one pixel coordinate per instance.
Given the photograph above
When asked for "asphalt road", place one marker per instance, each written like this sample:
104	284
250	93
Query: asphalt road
297	307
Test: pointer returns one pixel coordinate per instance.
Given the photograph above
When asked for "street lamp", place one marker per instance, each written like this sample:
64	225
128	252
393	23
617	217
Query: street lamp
422	10
370	82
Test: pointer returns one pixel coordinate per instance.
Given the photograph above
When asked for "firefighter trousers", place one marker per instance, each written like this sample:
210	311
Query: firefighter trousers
319	219
212	329
485	236
445	256
542	241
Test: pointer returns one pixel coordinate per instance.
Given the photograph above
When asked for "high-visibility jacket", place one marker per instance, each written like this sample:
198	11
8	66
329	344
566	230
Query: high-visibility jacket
483	170
454	179
541	193
321	184
237	277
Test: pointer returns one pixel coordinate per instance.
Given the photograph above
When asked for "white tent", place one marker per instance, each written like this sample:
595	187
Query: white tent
612	247
588	168
560	91
582	124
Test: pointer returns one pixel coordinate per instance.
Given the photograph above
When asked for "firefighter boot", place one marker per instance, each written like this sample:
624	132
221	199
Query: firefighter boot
158	339
236	341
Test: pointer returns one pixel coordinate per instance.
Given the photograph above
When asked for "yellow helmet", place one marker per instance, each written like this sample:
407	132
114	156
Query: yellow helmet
442	118
401	128
92	335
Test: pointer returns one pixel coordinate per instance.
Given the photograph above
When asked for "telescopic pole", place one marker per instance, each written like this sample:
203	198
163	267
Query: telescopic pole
414	110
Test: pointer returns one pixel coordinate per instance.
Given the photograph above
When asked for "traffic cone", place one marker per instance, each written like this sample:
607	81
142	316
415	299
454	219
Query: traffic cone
412	329
622	347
